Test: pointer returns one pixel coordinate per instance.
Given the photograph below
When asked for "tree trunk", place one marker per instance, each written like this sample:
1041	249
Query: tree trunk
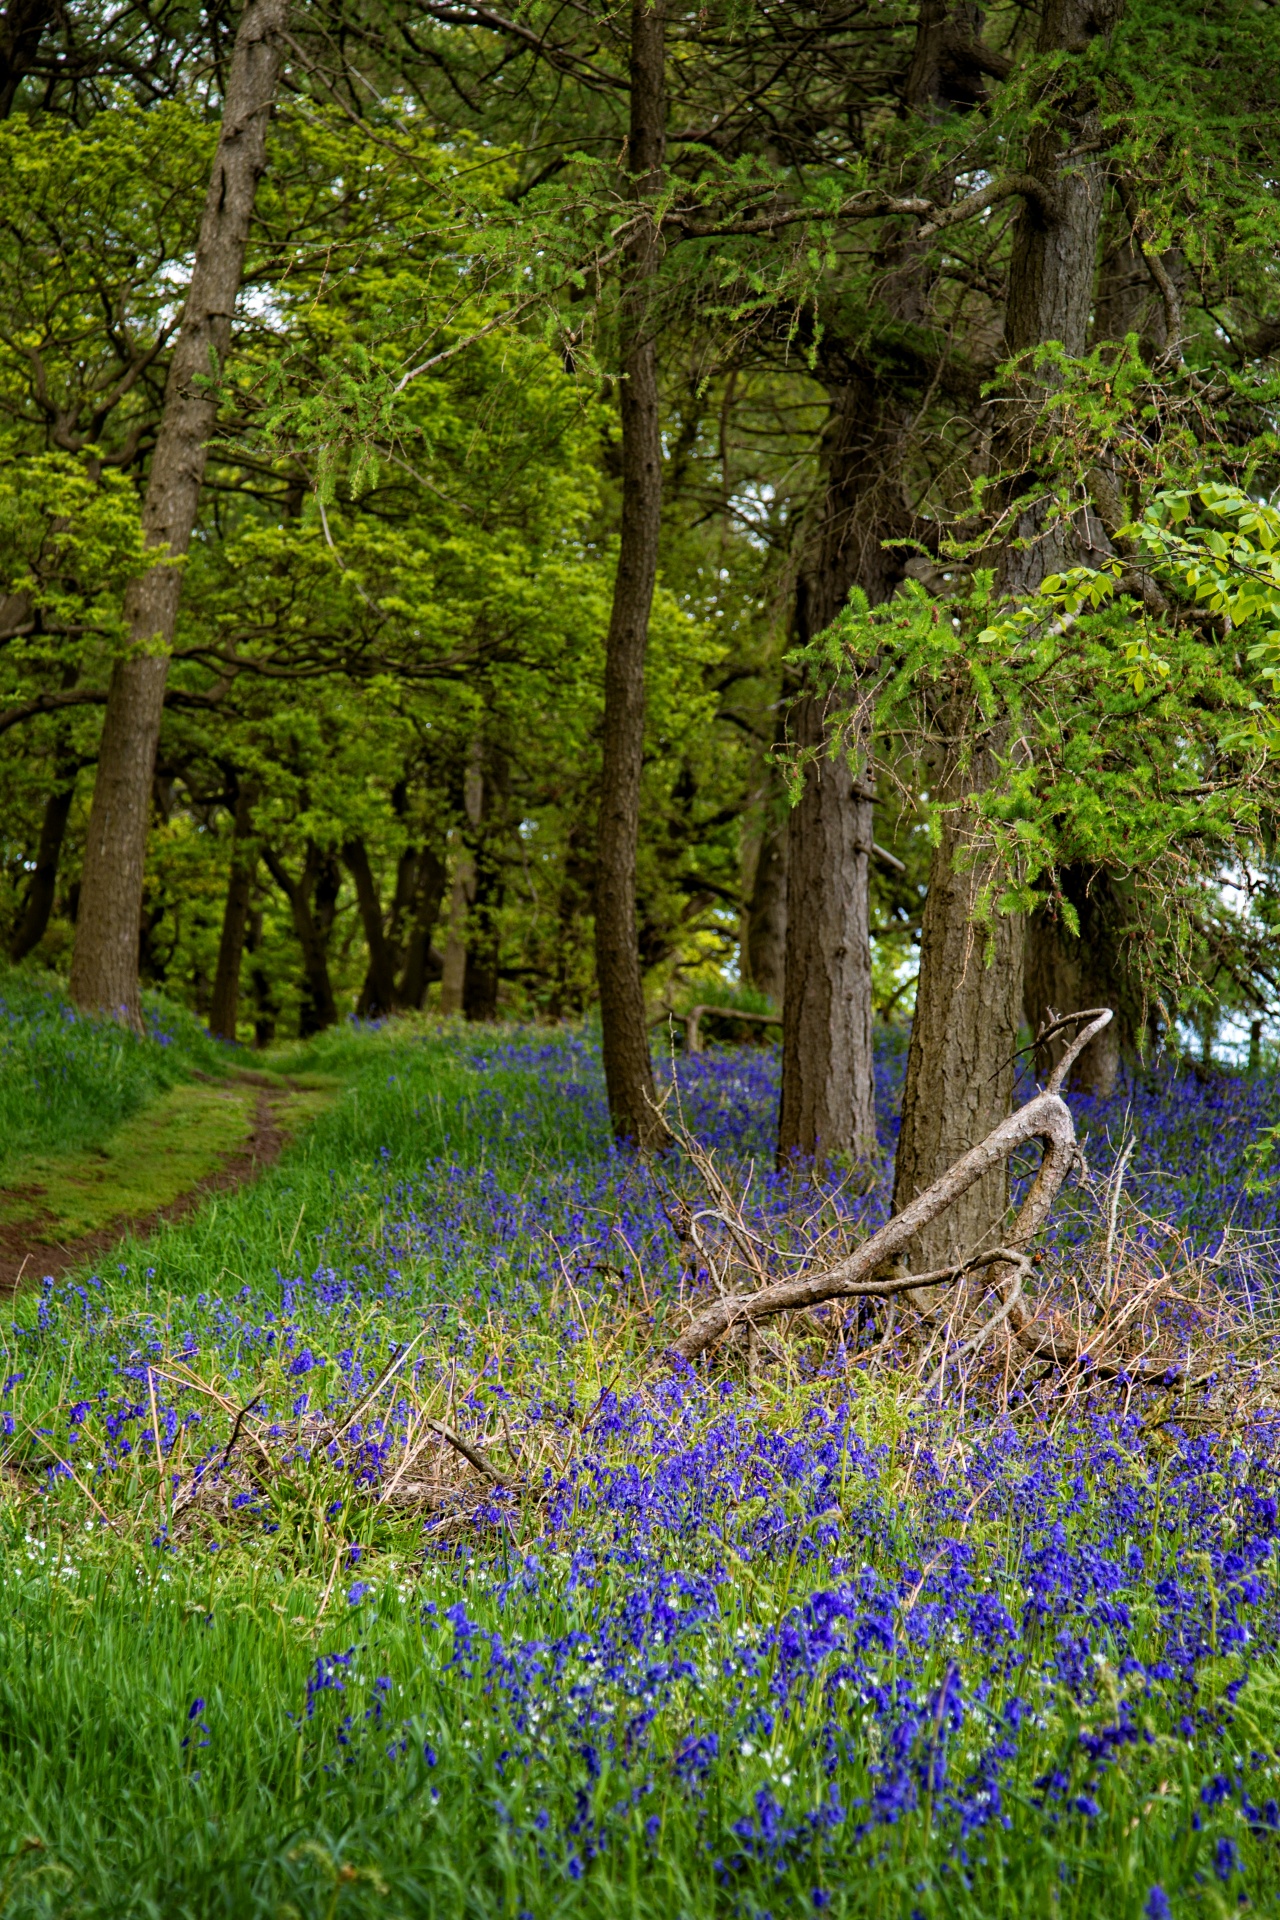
453	978
480	985
312	902
42	885
104	968
573	910
828	1082
628	1067
765	947
224	1011
959	1080
378	996
453	972
764	931
1053	273
266	1008
421	961
1065	972
828	1089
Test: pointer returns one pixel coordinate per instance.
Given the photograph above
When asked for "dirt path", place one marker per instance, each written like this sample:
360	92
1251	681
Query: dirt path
24	1257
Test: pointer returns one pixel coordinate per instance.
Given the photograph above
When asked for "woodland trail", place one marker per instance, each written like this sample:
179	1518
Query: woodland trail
32	1249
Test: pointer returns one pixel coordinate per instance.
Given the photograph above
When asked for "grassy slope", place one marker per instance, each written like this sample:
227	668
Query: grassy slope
99	1125
179	1139
183	1732
67	1081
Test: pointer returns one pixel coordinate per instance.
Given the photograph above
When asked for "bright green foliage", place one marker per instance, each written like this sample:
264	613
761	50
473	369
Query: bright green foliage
1138	699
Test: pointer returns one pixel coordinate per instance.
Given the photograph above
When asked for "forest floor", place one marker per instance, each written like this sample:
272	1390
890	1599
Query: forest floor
362	1552
59	1210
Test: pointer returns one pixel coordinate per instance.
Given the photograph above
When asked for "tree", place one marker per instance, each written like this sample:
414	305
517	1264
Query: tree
104	969
628	1068
969	996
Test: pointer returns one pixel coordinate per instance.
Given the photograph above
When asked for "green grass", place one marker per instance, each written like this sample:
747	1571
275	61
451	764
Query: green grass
100	1126
107	1812
178	1140
422	1788
68	1081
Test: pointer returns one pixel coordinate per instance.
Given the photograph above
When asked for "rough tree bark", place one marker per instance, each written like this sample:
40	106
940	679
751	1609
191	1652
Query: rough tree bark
1064	971
628	1066
104	967
828	1087
42	886
959	1081
827	1103
224	1010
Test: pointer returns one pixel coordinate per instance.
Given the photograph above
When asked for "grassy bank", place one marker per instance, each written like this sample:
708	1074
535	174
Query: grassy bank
68	1081
680	1643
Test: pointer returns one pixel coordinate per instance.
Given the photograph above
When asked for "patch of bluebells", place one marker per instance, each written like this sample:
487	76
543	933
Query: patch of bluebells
898	1668
740	1599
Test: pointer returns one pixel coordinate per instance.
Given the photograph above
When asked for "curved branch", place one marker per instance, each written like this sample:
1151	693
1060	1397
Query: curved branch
51	703
1046	1117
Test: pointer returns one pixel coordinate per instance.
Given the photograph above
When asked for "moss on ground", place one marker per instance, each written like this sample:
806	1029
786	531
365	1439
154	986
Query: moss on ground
181	1138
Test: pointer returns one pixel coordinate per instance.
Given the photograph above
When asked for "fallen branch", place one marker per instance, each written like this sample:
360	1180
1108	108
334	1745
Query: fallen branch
1046	1117
480	1461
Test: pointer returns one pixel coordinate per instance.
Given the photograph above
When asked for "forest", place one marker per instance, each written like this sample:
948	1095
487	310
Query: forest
640	991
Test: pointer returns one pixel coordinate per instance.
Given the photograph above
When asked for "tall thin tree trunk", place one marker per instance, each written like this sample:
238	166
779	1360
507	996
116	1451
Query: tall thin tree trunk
828	1081
42	886
420	958
628	1067
764	928
312	902
266	1006
480	985
453	978
379	994
104	967
959	1082
765	945
224	1010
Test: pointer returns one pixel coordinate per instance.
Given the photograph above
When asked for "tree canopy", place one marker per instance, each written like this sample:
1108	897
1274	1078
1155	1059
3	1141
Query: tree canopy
963	329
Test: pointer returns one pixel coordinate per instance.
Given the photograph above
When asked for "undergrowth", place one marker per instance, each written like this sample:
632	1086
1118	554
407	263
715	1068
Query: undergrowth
364	1555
